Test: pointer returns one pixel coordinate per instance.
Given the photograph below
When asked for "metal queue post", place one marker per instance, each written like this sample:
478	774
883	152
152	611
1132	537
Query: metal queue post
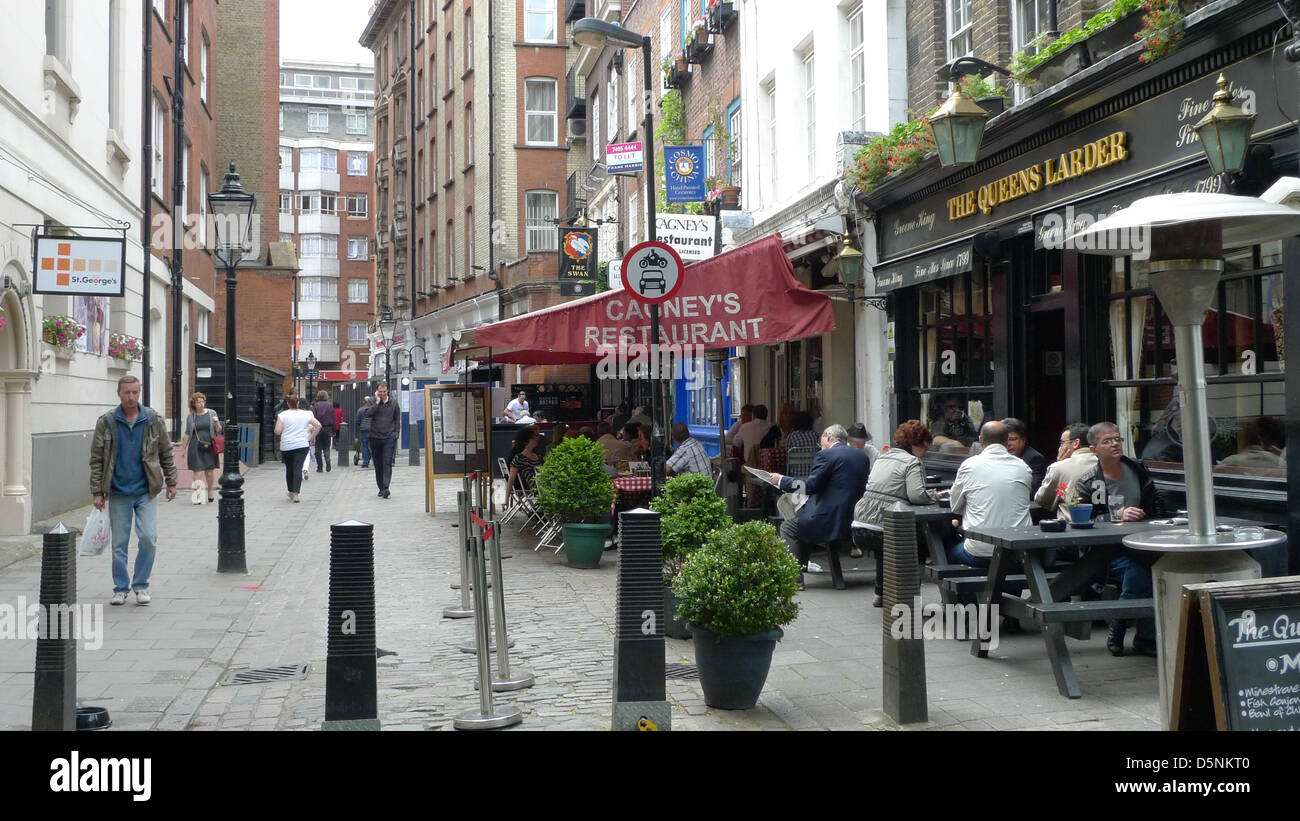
504	680
465	610
488	716
480	530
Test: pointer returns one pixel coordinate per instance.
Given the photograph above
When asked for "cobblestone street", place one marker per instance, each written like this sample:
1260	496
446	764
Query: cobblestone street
160	666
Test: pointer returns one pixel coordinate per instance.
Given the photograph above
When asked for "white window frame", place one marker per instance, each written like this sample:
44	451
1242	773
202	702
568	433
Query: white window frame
359	290
959	30
298	81
319	246
733	136
318	289
665	35
318	159
358	248
286	201
809	74
203	206
611	103
597	152
318	120
314	331
159	139
633	114
545	12
203	68
286	158
358	199
358	163
358	333
769	93
541	234
185	30
348	84
533	114
858	69
469	135
353	119
201	331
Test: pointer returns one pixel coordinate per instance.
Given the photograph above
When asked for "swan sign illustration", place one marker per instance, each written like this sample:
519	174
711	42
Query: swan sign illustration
652	271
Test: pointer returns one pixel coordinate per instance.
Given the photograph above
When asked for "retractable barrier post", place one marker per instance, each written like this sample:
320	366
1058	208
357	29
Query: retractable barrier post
478	529
487	717
465	610
504	680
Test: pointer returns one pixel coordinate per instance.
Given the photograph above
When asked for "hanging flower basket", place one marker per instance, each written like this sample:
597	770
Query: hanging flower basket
121	346
62	331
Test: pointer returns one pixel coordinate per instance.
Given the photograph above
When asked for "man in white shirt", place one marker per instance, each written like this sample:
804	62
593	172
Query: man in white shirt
746	415
752	432
518	407
991	489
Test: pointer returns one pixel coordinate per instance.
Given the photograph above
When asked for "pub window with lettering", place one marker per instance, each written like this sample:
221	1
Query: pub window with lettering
1245	366
955	346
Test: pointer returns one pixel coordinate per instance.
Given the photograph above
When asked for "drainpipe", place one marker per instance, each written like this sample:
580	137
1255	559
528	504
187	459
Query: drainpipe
146	202
492	164
178	229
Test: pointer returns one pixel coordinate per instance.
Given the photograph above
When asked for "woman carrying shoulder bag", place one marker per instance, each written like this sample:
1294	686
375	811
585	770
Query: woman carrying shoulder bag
201	428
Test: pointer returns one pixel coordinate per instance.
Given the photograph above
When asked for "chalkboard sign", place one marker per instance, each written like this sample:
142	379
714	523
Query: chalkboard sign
1242	655
455	434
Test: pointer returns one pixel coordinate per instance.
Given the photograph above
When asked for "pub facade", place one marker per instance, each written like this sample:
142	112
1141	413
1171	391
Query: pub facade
997	312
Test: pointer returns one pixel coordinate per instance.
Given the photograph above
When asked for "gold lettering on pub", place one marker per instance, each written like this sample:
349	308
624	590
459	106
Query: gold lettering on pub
1070	164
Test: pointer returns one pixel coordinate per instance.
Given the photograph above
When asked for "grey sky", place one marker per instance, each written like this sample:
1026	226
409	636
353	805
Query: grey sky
324	30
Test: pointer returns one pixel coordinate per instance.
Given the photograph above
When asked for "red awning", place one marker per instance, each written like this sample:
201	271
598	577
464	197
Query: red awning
746	296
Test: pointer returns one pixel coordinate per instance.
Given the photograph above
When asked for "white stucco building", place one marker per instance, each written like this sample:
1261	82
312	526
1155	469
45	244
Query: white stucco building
818	78
70	155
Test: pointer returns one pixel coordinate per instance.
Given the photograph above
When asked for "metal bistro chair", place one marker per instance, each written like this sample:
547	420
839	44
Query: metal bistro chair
517	501
798	461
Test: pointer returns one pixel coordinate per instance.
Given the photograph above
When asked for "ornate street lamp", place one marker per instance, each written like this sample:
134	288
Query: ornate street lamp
958	128
1225	133
596	34
311	376
232	215
387	325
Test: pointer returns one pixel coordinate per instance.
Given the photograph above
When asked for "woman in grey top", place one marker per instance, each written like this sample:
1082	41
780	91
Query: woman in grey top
200	426
897	475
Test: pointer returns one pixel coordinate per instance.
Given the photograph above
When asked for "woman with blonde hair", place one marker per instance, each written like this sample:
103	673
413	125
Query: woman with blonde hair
201	427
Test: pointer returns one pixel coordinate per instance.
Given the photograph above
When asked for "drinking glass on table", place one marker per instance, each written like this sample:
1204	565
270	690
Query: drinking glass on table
1116	505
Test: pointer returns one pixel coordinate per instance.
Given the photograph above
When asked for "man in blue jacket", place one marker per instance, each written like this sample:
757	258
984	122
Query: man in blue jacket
836	482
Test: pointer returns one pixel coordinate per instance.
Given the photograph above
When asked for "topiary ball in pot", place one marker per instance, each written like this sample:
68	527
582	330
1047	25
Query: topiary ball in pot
736	592
572	486
690	510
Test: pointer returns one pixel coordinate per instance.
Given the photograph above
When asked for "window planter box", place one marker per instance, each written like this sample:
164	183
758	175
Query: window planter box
117	363
61	353
699	48
721	16
1118	35
679	76
1061	66
993	105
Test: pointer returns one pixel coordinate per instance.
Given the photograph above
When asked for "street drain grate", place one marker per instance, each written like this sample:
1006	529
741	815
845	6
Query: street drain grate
262	675
682	671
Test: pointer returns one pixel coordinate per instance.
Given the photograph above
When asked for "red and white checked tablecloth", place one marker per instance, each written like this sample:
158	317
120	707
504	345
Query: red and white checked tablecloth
772	460
632	484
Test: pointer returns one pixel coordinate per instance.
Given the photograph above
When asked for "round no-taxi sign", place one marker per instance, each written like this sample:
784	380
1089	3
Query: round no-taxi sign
652	271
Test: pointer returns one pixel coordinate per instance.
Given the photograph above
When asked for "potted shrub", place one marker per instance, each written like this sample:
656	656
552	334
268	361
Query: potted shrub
736	592
689	511
572	486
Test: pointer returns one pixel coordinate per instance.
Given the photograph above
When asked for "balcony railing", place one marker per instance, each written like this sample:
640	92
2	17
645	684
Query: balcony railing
574	10
575	197
575	85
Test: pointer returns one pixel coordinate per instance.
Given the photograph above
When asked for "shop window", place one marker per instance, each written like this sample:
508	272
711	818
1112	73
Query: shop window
702	409
955	347
1242	340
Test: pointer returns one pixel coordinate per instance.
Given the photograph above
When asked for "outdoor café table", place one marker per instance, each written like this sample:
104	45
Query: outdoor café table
632	485
1049	603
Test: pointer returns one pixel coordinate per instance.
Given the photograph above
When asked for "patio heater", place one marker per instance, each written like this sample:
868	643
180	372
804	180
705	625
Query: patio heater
1186	235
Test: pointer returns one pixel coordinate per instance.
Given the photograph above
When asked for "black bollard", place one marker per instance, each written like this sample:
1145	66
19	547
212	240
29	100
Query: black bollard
54	701
351	689
639	689
903	665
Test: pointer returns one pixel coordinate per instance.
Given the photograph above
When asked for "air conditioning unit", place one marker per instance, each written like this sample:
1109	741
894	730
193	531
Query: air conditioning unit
575	129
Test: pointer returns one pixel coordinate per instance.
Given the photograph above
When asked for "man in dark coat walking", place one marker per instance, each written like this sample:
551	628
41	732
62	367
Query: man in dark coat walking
838	477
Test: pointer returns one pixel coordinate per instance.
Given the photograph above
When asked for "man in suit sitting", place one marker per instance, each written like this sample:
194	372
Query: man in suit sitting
839	474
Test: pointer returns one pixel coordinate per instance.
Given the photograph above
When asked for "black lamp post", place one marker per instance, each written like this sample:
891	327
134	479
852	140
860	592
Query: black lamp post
232	214
595	34
412	440
387	325
311	376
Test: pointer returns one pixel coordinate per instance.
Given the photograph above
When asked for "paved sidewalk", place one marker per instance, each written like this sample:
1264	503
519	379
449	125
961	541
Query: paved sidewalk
160	665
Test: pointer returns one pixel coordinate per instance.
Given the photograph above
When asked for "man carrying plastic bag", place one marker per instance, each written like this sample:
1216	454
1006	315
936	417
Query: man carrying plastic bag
130	459
98	534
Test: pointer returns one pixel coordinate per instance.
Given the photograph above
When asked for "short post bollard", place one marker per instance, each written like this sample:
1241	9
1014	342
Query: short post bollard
504	679
54	700
351	679
487	717
640	689
479	529
903	667
465	610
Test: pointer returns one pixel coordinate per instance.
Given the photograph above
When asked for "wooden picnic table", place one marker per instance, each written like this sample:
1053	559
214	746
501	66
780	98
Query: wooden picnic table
1049	604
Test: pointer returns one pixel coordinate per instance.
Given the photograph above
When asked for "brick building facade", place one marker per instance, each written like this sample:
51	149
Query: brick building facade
248	134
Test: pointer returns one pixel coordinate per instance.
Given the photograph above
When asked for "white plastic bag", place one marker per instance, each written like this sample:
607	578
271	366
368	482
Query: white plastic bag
98	534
